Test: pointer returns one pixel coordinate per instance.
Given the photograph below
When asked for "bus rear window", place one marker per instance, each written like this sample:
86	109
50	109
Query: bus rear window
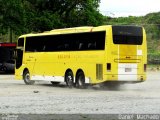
130	35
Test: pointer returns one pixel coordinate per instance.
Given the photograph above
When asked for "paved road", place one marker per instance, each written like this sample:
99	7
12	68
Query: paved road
43	98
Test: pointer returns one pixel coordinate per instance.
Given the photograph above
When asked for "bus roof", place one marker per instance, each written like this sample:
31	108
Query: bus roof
7	44
68	30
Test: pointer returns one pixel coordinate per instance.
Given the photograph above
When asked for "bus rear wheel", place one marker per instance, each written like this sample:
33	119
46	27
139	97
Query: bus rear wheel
26	78
69	79
80	80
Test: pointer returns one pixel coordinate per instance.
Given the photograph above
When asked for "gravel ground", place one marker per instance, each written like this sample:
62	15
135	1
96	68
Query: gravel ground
44	98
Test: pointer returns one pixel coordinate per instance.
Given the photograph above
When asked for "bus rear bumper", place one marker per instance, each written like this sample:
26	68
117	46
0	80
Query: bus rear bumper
125	78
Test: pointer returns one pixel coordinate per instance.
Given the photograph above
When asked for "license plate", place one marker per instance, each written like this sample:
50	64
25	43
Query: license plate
128	69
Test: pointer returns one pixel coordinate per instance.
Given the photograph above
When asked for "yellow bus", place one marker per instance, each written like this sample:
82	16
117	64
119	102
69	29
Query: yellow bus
83	55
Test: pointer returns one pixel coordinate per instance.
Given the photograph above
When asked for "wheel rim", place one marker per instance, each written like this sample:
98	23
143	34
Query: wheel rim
69	80
80	81
27	77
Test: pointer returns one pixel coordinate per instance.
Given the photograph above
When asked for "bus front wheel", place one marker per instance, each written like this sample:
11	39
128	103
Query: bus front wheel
80	80
69	79
26	78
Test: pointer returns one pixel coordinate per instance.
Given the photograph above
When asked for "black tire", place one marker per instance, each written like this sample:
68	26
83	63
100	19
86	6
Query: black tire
69	79
80	80
26	78
55	83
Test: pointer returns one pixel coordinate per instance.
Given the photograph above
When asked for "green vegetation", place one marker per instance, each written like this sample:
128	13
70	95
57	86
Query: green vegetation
25	16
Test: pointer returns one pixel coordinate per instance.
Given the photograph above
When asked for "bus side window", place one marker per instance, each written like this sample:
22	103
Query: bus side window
81	46
44	48
92	46
34	50
66	46
61	48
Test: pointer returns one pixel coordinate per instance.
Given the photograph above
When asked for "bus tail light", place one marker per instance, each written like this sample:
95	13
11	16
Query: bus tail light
108	67
145	67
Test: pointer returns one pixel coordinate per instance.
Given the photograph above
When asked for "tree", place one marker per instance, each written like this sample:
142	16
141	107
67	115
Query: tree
83	13
11	14
24	16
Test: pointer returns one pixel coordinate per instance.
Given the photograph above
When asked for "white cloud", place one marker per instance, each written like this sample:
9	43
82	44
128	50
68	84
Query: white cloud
116	8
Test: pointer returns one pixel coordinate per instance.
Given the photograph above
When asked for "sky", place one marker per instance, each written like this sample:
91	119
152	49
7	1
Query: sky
124	8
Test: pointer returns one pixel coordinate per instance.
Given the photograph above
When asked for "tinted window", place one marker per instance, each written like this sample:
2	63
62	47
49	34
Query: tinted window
131	35
67	42
21	42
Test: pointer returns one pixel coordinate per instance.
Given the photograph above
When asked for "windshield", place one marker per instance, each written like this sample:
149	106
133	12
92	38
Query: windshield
21	42
130	35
